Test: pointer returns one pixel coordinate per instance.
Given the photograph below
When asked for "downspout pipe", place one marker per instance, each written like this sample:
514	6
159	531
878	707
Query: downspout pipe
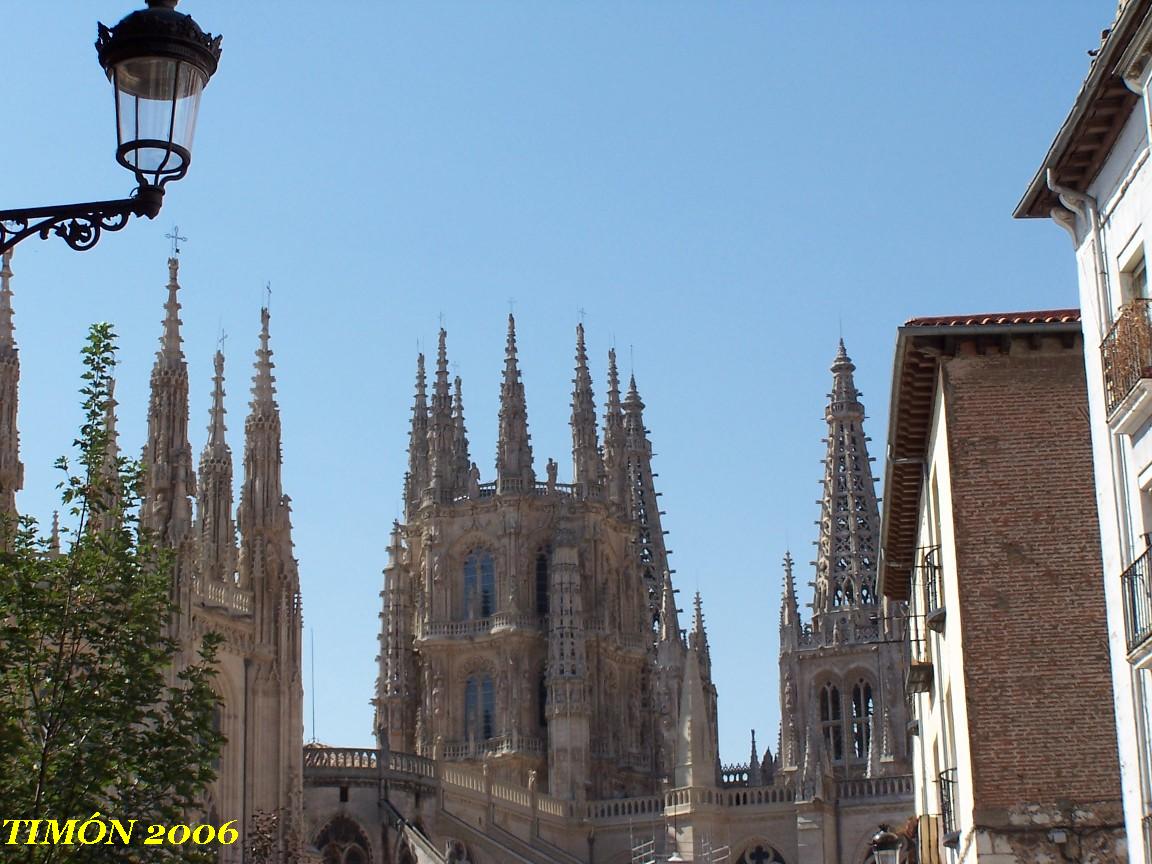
1085	205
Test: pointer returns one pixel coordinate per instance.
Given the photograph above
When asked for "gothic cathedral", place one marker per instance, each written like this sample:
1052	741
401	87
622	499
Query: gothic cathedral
537	698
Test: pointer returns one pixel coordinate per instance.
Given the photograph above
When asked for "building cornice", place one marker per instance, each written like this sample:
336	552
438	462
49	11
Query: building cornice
1098	115
919	346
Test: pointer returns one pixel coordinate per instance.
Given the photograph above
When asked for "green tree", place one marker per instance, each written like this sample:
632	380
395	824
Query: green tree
92	717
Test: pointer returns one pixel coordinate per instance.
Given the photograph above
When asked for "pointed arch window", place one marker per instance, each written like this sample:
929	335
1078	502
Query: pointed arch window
863	710
479	585
832	721
844	594
479	708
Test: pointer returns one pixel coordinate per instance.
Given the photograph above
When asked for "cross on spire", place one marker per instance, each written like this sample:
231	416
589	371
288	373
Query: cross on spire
268	295
174	236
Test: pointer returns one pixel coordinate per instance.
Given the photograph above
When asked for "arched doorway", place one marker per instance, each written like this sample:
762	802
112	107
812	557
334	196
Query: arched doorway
343	842
761	853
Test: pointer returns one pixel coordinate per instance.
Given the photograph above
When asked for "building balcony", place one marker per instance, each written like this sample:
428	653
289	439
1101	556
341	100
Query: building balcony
1126	354
919	679
949	823
1137	592
934	612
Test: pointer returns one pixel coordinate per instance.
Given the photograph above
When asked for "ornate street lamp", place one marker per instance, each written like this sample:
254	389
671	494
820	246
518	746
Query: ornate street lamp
887	847
158	61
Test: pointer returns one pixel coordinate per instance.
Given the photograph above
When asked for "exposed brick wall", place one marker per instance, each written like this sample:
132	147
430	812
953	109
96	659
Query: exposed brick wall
1031	589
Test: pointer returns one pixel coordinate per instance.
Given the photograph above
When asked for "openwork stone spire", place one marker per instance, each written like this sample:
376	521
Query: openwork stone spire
215	530
169	479
418	471
514	472
585	448
849	517
11	469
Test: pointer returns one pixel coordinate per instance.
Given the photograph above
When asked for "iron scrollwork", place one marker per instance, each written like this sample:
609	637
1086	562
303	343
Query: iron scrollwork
78	225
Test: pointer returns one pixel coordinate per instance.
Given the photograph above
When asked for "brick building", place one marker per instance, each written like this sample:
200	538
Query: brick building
990	534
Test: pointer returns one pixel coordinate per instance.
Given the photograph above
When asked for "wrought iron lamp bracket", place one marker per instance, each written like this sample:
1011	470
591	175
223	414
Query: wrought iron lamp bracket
78	225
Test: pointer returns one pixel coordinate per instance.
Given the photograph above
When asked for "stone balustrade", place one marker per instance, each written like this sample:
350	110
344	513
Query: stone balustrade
224	595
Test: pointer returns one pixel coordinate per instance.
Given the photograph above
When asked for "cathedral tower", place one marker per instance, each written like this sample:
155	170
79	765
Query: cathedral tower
841	687
531	625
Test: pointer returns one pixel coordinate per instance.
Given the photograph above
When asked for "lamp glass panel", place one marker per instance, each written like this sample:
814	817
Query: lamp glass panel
157	100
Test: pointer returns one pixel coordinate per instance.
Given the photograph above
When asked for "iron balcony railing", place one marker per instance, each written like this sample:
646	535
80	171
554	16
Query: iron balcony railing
1137	591
948	821
1126	352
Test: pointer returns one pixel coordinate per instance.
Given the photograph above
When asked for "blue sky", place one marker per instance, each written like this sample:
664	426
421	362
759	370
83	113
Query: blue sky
724	188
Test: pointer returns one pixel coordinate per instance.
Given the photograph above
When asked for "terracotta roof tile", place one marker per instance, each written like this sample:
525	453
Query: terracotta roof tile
1049	316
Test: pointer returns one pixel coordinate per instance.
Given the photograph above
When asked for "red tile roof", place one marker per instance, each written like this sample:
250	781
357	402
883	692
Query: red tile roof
1049	316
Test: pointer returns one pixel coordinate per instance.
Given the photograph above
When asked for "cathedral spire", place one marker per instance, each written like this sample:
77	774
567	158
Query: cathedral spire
441	433
514	471
462	462
11	469
54	537
261	493
167	459
789	608
170	351
755	777
215	530
640	497
696	749
105	517
614	460
263	517
585	455
7	342
850	517
418	473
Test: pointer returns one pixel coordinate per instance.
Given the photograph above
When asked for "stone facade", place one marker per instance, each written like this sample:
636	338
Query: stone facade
538	700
